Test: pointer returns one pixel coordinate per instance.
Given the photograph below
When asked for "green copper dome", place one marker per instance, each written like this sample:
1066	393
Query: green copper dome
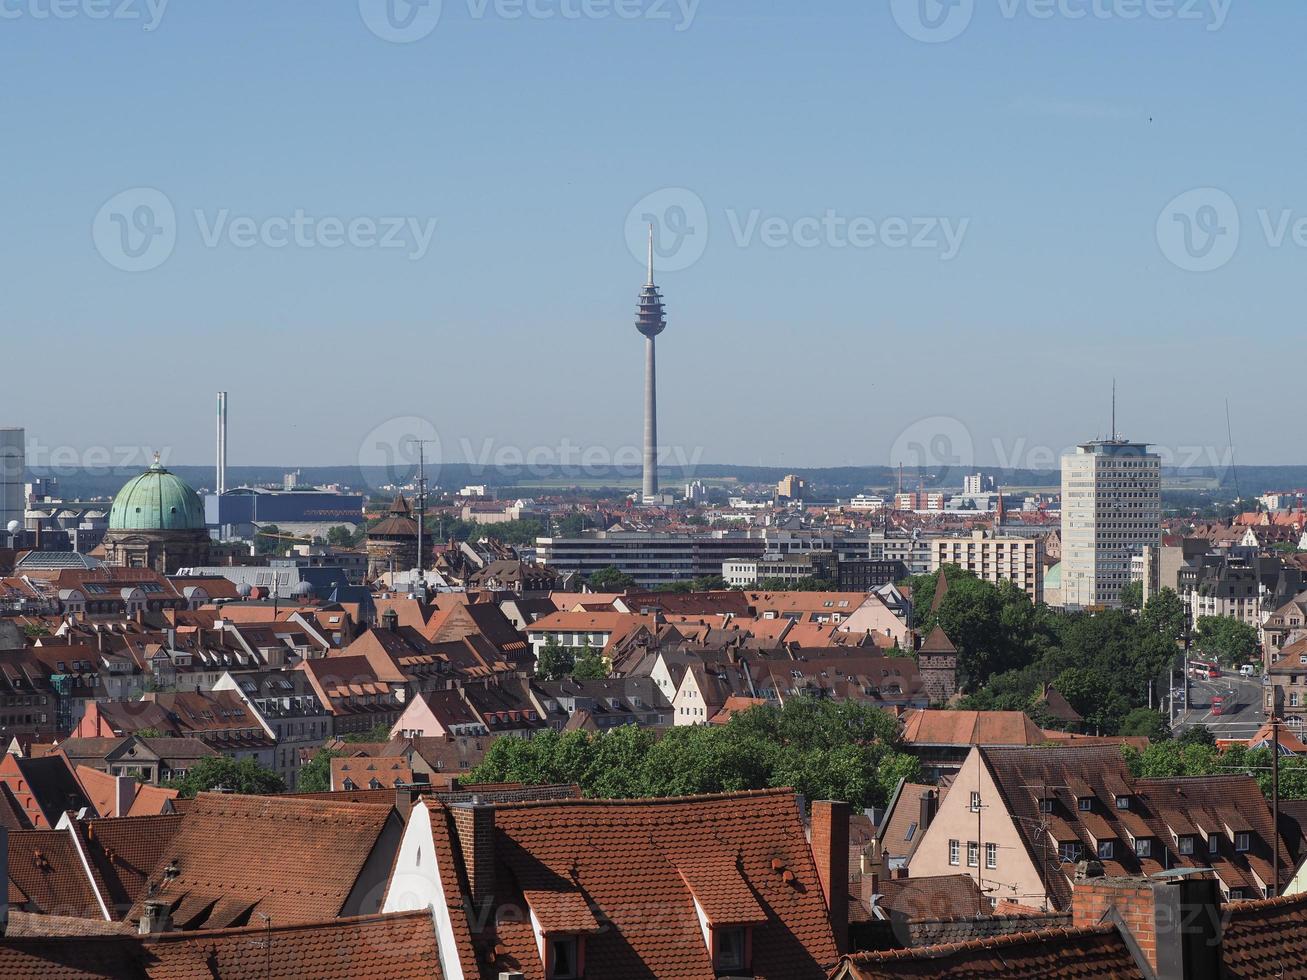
156	501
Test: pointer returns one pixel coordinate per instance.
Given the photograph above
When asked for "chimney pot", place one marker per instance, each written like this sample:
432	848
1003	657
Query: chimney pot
155	919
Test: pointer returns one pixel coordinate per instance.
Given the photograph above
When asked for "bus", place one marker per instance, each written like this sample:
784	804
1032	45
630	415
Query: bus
1204	670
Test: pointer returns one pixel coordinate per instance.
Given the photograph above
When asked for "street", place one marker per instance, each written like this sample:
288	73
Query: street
1241	714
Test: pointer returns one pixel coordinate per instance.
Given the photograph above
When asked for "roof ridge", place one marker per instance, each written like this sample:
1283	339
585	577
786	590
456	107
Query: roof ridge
984	942
645	800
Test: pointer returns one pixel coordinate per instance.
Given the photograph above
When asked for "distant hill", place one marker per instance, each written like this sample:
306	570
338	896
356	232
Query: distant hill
841	481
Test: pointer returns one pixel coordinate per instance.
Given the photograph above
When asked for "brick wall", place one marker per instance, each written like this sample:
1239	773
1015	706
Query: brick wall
830	852
475	825
1133	900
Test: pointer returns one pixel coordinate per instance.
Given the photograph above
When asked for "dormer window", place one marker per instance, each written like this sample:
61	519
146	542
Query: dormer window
1242	841
1214	844
1085	803
1185	844
730	949
564	958
1046	805
1143	847
1122	802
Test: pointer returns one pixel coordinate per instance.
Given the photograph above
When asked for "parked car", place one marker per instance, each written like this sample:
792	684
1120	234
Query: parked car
1247	670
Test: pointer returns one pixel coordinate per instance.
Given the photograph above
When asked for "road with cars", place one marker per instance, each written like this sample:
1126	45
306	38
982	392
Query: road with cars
1241	709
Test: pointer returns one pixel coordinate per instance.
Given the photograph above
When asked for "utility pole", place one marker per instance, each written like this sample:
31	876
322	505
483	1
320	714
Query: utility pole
1275	800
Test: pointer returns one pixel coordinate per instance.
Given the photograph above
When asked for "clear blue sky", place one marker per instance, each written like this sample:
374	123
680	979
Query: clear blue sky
1055	141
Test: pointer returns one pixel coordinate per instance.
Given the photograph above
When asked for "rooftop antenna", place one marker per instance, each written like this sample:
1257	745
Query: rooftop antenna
651	254
1234	470
1113	435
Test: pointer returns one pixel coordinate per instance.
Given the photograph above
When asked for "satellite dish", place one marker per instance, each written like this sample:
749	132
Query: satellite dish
303	590
13	527
245	590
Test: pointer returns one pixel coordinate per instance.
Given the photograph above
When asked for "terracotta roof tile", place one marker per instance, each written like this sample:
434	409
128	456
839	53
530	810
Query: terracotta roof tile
1054	954
221	851
631	859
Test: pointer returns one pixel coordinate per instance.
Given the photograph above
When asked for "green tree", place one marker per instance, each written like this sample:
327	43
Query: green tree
1165	614
246	777
1146	722
589	666
343	537
1231	641
611	579
315	775
148	733
573	524
1132	596
554	661
377	733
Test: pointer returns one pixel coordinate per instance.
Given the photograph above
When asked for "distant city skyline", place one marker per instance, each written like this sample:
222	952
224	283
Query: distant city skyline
861	228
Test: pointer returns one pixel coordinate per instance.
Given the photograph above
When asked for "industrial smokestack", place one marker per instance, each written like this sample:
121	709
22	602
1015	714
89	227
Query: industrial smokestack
222	442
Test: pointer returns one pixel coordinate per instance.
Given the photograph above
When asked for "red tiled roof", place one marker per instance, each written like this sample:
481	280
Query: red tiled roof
631	860
222	851
1053	954
48	868
125	851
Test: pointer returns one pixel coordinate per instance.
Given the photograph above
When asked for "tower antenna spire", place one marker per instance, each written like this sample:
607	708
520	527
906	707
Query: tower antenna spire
651	253
1113	410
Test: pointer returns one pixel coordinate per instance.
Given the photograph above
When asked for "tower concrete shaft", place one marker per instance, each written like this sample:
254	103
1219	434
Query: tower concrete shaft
650	421
650	320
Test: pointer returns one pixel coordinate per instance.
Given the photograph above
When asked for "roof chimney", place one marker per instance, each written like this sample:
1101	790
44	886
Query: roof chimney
830	852
156	918
124	792
1173	924
475	824
928	804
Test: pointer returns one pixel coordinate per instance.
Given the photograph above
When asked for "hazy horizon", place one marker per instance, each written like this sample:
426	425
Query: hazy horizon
868	242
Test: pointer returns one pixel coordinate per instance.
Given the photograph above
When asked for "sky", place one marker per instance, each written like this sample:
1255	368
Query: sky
905	231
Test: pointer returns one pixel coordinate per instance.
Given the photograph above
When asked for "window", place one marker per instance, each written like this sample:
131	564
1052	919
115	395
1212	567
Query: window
1241	841
1069	851
1186	845
953	851
728	949
1143	848
1046	805
1214	844
1123	803
563	961
991	855
973	854
975	801
1105	850
1085	803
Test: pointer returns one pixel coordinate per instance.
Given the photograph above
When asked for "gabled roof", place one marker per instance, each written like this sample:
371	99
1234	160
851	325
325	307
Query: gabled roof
125	850
935	727
221	855
47	866
640	864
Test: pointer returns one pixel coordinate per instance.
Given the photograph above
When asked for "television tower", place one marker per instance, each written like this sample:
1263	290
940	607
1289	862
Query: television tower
650	320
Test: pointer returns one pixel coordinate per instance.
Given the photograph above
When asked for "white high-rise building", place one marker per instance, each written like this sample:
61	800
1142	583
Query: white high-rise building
1111	511
13	469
